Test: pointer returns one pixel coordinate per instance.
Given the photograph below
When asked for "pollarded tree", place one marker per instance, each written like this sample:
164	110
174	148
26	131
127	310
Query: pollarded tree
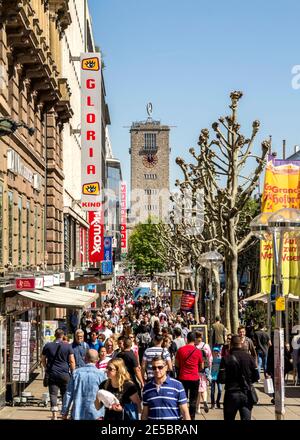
218	170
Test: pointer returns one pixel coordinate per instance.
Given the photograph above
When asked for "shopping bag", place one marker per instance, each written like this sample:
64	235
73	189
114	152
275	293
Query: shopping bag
268	386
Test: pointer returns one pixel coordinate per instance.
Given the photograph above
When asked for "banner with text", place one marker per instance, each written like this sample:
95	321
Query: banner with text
123	219
176	300
96	236
281	190
91	131
188	301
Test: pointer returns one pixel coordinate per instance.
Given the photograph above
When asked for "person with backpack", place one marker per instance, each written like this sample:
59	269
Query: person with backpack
143	339
151	352
204	375
189	363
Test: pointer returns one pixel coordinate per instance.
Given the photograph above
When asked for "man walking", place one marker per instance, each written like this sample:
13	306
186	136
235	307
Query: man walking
262	343
247	343
57	360
152	352
80	348
164	398
189	363
238	371
82	390
131	362
218	333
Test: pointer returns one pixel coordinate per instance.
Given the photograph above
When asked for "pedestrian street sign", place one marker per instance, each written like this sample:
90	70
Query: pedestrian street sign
280	304
106	267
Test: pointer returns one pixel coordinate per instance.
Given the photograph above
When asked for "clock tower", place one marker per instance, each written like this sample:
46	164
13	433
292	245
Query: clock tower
150	155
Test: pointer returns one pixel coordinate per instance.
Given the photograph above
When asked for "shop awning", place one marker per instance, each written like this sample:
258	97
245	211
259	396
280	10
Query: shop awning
58	296
264	297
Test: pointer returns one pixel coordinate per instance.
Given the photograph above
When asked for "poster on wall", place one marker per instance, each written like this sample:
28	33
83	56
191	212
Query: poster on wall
188	301
202	328
176	300
21	352
48	331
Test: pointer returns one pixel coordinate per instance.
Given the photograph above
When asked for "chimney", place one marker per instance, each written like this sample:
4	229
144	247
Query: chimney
297	148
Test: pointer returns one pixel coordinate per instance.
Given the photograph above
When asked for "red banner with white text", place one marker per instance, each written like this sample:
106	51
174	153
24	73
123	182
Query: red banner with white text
96	236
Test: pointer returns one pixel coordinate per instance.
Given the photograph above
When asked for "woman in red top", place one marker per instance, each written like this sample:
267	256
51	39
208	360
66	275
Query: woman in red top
189	362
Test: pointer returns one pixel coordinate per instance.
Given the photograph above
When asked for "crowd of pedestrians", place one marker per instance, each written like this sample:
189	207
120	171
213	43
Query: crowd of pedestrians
134	358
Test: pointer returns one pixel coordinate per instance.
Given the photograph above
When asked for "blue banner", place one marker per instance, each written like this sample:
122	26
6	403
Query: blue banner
107	248
106	267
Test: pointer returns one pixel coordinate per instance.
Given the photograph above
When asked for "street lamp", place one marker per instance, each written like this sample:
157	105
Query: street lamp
210	260
274	226
8	126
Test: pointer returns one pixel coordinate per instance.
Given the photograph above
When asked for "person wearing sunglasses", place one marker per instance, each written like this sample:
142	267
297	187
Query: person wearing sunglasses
164	398
120	385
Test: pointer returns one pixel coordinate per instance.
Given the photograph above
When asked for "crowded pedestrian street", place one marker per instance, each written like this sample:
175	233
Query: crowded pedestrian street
149	217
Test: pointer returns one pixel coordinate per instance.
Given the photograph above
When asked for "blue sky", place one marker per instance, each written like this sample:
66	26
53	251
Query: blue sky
186	56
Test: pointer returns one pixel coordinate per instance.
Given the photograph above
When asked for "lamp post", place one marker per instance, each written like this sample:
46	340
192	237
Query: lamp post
8	126
274	226
210	260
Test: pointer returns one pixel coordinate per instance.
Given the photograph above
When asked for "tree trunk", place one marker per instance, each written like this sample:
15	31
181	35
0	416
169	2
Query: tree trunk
234	309
227	295
217	294
177	279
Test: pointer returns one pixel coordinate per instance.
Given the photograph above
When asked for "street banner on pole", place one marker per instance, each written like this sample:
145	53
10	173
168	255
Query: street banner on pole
96	236
188	301
91	131
123	217
281	190
176	300
107	249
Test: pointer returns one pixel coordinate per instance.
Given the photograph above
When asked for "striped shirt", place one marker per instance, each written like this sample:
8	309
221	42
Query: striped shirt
163	403
151	353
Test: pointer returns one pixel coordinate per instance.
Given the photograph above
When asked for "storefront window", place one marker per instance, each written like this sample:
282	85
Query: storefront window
10	226
34	339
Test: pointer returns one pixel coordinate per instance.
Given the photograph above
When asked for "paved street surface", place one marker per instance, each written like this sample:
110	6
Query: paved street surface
263	411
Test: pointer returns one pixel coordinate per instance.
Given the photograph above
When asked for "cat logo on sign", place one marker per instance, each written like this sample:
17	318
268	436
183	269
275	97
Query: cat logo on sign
91	189
90	64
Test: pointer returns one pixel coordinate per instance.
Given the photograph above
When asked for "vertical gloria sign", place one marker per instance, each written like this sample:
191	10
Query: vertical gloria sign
91	131
123	219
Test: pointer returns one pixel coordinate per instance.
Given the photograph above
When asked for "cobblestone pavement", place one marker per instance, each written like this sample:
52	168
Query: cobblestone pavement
263	411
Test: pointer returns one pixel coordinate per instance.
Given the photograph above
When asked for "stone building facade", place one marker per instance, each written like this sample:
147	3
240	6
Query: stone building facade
32	90
150	157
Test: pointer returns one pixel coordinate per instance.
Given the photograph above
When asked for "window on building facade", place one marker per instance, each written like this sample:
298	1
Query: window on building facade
1	224
150	141
150	176
20	231
10	226
27	233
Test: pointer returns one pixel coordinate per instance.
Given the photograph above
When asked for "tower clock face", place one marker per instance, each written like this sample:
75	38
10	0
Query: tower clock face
150	160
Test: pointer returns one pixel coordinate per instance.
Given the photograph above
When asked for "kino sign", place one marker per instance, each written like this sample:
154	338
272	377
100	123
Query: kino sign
91	98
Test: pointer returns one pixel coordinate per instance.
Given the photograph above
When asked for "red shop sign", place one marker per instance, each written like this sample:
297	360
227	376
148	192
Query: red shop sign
25	283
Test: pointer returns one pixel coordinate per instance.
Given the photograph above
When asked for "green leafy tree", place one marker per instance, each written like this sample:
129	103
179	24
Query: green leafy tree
145	248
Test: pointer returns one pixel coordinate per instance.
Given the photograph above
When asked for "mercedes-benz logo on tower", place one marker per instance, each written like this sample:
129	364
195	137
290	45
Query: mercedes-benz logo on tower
149	109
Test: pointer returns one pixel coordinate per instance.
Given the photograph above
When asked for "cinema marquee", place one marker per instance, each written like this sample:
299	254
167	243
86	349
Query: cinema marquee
91	98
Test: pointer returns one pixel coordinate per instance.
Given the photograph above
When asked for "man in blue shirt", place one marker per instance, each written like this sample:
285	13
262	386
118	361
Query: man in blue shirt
82	390
95	343
164	398
80	348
